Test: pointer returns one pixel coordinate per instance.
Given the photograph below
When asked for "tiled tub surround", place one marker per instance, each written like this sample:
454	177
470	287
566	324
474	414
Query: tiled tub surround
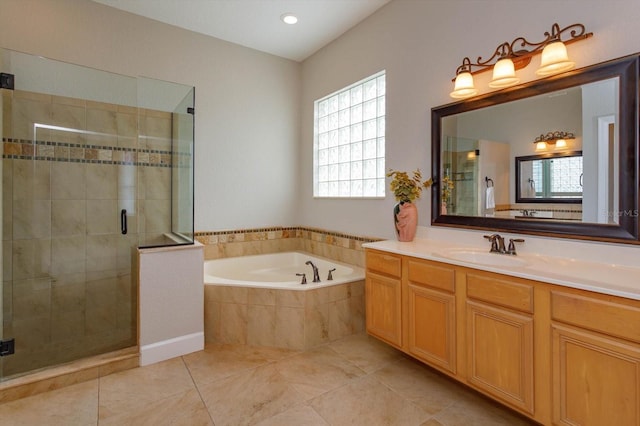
67	284
283	318
291	319
242	242
257	300
555	211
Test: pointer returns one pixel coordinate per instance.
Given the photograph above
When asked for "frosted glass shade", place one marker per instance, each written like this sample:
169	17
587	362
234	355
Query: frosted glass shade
504	74
554	59
463	87
561	143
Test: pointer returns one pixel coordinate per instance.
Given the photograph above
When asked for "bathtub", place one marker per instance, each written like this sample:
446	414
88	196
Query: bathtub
259	301
278	271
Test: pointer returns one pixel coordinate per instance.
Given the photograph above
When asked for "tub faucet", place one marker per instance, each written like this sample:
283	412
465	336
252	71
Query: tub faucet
316	275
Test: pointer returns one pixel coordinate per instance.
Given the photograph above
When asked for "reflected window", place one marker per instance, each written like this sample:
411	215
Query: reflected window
558	177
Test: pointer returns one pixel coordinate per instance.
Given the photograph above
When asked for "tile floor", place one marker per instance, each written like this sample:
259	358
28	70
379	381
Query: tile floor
354	381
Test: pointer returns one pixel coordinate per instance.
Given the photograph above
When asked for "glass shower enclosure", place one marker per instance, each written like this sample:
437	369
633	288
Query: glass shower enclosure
94	165
460	164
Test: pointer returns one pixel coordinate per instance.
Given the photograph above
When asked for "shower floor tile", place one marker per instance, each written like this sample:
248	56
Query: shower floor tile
353	381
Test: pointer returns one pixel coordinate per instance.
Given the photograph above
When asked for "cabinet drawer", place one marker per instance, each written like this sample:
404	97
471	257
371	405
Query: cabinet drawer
384	263
423	272
499	291
611	318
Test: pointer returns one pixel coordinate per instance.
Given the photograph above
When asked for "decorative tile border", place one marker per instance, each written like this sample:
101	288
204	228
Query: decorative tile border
96	154
264	234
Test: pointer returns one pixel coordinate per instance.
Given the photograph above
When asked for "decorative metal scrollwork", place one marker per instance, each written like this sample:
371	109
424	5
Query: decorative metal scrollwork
521	50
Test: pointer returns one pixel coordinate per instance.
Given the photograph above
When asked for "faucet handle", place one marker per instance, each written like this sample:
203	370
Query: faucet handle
304	278
512	246
330	277
494	241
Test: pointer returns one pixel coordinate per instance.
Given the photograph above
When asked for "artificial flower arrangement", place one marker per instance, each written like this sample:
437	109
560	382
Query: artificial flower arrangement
405	188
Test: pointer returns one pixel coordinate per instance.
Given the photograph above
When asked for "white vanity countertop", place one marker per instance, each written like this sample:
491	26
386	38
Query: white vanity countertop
606	278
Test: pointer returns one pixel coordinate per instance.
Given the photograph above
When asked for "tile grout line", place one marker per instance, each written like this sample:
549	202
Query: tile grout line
184	362
372	376
98	401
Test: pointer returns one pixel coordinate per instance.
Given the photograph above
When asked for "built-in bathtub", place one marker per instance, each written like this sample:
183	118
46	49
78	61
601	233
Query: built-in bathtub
259	300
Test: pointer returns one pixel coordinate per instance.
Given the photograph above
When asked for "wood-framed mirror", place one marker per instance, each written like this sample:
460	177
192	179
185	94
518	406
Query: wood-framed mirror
475	143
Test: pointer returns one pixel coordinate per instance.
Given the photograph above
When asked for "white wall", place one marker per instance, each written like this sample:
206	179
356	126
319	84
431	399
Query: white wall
247	119
420	44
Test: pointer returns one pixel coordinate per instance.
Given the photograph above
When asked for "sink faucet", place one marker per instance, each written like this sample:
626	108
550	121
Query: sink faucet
497	243
316	275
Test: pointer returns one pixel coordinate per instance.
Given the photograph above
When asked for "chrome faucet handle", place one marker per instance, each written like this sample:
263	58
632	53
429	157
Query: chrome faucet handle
304	278
512	246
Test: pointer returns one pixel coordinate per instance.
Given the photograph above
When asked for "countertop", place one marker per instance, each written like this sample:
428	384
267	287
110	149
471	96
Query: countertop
605	278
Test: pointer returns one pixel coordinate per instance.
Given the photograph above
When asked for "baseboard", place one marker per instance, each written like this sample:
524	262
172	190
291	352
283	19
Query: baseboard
171	348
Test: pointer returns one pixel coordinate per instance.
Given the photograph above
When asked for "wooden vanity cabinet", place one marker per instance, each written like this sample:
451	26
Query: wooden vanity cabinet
558	355
596	360
383	301
499	338
431	313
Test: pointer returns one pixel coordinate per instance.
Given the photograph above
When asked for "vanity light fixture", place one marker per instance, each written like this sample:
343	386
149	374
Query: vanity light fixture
557	139
509	57
289	18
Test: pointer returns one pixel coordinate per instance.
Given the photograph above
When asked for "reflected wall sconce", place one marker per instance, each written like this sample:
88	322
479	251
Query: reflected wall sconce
556	139
509	57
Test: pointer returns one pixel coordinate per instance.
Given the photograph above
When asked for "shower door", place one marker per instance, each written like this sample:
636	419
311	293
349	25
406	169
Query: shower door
94	165
69	206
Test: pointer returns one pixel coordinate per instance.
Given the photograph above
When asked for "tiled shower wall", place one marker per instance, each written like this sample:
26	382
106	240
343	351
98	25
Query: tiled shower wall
67	285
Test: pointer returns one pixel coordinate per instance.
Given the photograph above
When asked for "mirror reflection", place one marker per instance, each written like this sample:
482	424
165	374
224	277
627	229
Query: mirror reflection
555	178
500	170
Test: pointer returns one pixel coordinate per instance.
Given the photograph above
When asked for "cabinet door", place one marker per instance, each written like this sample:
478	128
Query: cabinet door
432	326
596	379
384	304
500	353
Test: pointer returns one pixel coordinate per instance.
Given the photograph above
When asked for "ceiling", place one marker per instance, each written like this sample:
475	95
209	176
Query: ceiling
256	23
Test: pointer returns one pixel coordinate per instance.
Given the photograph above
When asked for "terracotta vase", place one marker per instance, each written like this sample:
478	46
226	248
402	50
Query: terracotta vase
405	215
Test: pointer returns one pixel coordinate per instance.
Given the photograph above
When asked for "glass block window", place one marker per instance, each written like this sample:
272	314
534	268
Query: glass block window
558	177
349	141
566	177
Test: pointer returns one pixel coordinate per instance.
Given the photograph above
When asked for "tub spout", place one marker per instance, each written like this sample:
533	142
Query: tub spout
316	275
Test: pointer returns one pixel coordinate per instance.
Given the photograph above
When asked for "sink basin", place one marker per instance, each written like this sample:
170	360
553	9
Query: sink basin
483	258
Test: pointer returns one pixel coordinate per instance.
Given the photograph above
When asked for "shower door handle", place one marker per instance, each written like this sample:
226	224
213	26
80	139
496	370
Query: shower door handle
123	221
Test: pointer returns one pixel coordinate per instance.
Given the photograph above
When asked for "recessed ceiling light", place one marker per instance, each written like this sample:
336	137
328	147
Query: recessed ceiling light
289	18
